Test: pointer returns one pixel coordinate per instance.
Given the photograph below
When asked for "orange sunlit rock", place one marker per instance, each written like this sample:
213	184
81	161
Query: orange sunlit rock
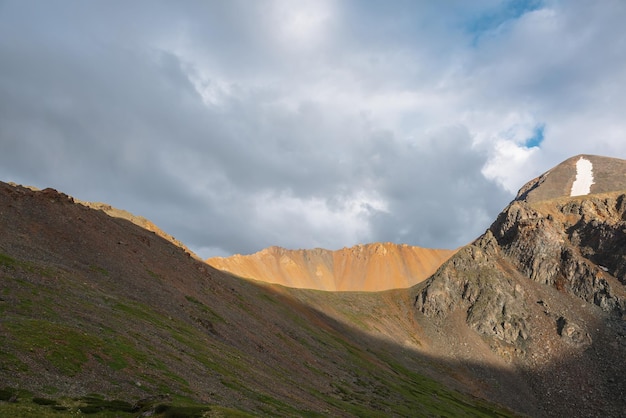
371	267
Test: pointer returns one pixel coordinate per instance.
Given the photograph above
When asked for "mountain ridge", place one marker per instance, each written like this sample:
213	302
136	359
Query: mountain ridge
530	315
115	213
368	267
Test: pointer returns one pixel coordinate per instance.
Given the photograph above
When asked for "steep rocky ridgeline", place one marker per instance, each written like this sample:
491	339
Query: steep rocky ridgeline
546	282
115	213
137	220
576	245
371	267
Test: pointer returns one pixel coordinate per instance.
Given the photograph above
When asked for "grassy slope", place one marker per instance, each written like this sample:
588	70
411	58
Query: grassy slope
95	305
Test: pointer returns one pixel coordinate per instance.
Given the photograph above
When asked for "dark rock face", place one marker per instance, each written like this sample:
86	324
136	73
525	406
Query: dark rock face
572	333
475	281
530	240
575	245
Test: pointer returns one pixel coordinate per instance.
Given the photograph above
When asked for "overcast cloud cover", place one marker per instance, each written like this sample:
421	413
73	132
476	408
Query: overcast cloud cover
236	125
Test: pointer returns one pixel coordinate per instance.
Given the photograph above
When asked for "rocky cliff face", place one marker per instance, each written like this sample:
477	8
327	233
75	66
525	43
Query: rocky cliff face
545	286
477	280
369	267
574	244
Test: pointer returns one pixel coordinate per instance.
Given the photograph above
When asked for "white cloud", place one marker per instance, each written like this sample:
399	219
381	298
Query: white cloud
510	164
324	223
302	25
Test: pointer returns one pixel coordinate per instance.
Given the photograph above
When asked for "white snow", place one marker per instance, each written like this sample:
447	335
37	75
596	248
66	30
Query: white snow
584	178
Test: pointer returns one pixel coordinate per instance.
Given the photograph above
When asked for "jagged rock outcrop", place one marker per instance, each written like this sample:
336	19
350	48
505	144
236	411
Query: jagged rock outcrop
573	244
551	234
477	280
572	333
371	267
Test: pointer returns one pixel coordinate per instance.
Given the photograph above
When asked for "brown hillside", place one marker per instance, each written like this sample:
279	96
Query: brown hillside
371	267
123	214
94	307
137	220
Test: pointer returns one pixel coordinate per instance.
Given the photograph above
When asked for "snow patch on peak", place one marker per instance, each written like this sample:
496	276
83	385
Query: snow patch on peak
584	178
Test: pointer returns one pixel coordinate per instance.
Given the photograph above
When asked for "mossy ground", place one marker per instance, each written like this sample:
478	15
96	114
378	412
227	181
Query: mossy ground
20	404
166	348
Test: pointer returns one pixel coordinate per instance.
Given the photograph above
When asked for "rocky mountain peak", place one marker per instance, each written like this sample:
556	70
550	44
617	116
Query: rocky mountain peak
548	278
565	232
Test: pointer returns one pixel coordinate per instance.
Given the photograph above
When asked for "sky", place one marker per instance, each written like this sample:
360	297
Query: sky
236	125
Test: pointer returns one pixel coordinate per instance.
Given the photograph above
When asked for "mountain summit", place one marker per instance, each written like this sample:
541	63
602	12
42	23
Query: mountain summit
547	281
370	267
577	176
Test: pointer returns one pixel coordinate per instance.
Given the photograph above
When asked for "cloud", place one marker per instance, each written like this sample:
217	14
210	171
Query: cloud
440	175
238	125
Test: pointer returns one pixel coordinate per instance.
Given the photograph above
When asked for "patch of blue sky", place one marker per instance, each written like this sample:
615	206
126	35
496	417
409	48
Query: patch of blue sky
493	18
537	138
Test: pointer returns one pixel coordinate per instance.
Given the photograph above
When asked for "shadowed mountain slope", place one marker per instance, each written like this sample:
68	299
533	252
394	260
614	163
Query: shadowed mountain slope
530	315
371	267
546	283
95	308
123	214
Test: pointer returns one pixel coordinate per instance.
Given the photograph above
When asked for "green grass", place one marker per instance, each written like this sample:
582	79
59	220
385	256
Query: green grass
98	269
7	261
97	406
375	391
10	362
140	312
7	394
380	386
434	399
213	315
63	347
154	275
11	263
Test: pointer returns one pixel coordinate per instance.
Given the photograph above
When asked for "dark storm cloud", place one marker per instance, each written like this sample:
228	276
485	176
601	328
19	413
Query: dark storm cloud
448	167
238	125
